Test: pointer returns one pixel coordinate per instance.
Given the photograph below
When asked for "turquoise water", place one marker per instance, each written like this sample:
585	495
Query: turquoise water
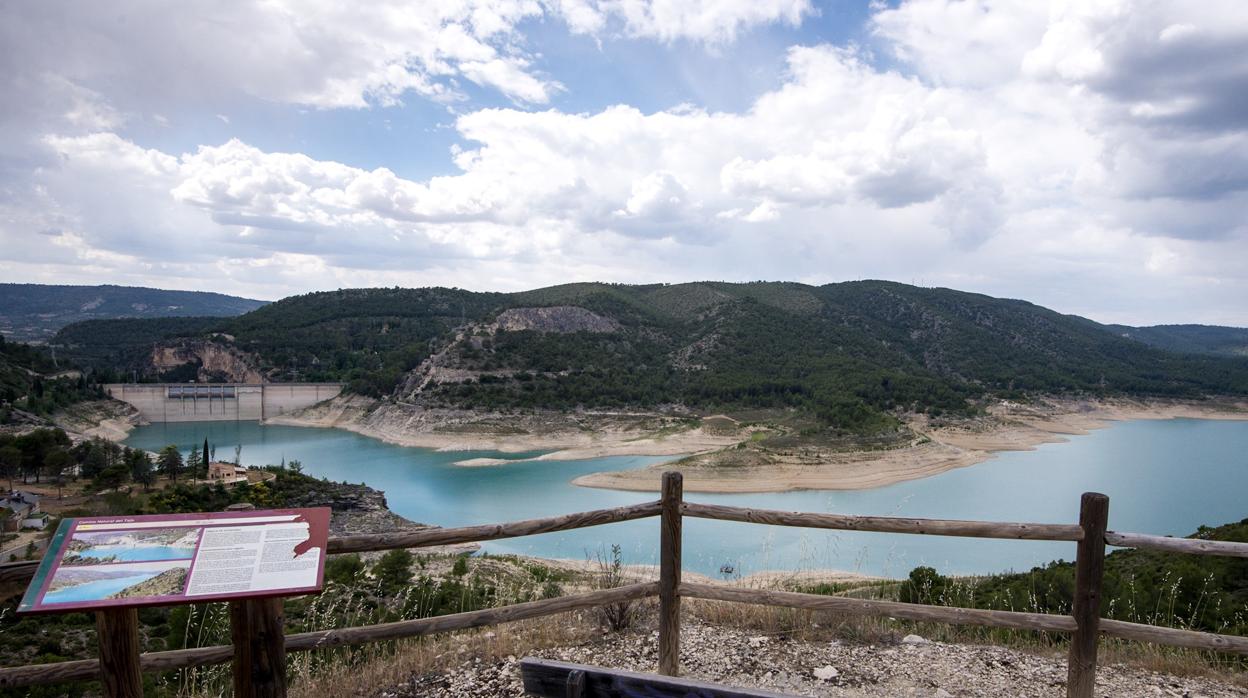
1162	477
138	554
93	591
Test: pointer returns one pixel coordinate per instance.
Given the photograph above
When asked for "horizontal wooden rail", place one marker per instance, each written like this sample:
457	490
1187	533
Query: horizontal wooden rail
891	609
472	534
1192	639
1194	546
889	524
86	669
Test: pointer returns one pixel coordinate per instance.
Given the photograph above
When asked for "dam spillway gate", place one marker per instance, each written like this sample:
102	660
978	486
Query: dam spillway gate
204	402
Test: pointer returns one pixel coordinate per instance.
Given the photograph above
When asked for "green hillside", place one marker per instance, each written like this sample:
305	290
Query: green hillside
1201	592
1190	339
32	383
34	312
851	354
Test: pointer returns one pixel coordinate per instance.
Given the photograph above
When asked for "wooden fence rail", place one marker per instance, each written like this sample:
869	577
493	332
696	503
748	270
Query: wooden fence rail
889	524
86	669
1084	624
476	534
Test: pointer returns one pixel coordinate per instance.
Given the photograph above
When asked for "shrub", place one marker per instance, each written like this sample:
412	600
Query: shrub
616	616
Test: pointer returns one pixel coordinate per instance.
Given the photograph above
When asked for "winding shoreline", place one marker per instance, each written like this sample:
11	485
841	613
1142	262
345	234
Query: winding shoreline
1008	426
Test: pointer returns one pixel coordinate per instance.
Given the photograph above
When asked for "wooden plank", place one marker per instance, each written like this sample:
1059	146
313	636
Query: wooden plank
117	634
18	572
472	534
669	574
888	524
1192	639
549	679
892	609
1193	546
39	674
1086	607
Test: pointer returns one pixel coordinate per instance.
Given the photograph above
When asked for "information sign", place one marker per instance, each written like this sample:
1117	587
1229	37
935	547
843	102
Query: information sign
100	562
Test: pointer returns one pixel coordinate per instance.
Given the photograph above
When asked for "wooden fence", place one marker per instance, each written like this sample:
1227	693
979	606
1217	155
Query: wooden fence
259	646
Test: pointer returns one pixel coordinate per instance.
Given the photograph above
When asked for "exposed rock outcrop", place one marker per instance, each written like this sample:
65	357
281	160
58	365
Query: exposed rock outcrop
559	318
108	419
213	361
444	365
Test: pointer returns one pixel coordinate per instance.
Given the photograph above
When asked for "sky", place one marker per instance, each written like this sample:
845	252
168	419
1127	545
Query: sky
1087	155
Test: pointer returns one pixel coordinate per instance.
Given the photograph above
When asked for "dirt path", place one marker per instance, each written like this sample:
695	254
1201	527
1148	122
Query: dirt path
806	668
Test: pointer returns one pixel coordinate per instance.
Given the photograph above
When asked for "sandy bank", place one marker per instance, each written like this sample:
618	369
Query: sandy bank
482	462
571	436
106	419
1009	427
858	470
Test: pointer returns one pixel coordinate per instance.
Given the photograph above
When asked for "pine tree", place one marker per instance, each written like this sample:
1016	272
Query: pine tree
141	470
170	462
193	463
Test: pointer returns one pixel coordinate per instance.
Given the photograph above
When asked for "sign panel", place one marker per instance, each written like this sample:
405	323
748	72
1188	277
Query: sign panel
179	558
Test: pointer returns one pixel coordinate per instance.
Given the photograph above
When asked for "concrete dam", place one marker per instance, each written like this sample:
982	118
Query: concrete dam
207	402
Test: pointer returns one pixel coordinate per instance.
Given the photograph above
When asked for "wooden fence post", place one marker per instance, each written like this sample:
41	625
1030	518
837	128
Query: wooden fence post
1089	572
257	631
669	574
117	632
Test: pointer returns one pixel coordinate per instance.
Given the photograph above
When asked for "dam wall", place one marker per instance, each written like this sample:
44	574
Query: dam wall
207	402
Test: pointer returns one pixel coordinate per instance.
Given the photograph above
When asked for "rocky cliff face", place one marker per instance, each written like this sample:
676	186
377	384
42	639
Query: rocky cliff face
444	365
212	361
560	318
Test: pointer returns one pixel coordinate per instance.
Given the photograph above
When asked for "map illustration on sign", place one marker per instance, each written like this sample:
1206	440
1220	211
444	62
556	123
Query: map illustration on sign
181	558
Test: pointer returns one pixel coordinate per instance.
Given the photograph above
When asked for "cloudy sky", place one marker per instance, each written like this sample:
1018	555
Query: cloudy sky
1091	156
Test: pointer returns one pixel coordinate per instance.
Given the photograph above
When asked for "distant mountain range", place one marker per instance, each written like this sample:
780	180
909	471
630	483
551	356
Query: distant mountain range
35	312
849	354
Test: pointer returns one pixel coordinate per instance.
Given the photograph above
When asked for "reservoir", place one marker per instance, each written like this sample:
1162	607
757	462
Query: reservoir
1162	477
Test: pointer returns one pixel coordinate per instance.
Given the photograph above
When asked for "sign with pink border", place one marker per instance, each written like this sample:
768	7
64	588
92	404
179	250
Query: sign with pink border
110	561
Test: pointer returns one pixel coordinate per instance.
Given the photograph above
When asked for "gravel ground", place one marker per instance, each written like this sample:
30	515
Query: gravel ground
914	667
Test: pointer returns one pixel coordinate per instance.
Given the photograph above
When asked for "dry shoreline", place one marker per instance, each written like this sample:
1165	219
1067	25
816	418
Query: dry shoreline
1010	427
563	437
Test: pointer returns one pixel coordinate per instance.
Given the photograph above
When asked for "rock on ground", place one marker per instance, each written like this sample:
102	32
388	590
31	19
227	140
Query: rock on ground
737	658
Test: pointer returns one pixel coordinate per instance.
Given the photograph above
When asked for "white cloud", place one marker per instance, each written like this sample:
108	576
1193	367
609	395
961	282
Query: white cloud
1015	148
323	53
708	21
319	53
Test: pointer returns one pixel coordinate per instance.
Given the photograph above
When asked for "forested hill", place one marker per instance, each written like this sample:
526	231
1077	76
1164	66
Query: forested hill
1191	339
34	384
34	312
850	353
